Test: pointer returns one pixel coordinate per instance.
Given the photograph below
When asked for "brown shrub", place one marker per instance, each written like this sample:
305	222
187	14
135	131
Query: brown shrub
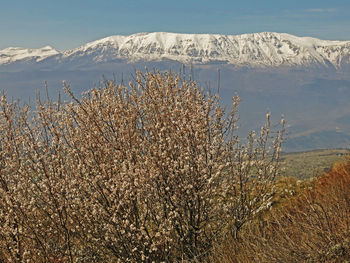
314	226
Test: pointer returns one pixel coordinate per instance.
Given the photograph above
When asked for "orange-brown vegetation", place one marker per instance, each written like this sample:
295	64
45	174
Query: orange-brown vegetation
312	226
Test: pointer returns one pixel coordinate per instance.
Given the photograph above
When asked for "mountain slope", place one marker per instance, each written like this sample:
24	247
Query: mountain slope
15	54
306	79
253	50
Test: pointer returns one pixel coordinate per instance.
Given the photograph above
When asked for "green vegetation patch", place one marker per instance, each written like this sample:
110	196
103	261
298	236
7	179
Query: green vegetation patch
305	165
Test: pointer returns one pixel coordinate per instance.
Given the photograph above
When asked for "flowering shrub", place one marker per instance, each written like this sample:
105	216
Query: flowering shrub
150	172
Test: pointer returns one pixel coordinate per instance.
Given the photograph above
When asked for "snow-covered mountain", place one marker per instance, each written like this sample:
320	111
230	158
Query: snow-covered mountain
253	50
15	54
286	74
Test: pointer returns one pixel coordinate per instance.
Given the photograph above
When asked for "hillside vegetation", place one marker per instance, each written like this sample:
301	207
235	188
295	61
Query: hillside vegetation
155	172
313	225
307	165
149	172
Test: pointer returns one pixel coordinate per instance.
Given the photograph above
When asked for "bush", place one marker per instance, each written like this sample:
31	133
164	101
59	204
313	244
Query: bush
150	172
313	226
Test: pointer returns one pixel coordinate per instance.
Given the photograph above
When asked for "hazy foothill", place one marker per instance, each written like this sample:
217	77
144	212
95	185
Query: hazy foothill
217	144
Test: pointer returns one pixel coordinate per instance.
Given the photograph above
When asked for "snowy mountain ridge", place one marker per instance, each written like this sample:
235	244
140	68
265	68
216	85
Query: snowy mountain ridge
14	54
265	49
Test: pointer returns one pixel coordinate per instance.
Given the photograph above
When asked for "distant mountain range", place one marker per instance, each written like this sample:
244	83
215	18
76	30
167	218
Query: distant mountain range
249	50
306	79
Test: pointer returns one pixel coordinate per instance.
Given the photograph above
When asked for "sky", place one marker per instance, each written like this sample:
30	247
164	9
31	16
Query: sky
67	24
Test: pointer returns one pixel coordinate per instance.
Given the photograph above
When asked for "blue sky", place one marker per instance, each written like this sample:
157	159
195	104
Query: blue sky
67	24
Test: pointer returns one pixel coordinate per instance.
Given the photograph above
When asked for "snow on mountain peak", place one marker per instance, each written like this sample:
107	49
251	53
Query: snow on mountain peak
259	49
14	54
266	49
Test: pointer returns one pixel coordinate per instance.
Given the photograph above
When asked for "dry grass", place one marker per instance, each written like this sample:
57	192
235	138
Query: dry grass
313	226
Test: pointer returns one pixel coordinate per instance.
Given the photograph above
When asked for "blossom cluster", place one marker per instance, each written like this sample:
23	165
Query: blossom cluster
149	172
